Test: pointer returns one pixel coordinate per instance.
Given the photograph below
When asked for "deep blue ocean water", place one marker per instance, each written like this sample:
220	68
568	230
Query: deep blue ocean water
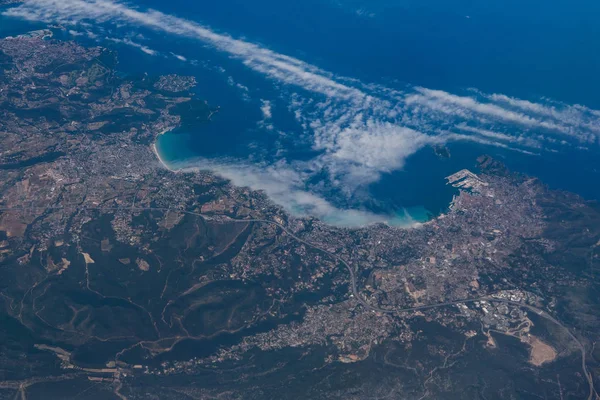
527	49
531	50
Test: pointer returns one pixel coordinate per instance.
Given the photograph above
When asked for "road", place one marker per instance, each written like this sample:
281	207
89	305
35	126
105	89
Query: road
351	272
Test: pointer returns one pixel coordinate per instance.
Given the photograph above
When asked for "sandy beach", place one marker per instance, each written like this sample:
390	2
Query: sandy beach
156	152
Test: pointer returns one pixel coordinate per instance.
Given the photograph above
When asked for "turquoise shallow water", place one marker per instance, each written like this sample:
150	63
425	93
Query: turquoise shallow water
334	107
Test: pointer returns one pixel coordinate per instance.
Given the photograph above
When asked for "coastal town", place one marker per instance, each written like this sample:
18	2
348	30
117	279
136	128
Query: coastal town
121	272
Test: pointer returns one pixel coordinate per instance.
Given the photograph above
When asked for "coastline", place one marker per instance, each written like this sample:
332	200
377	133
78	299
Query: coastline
399	221
157	153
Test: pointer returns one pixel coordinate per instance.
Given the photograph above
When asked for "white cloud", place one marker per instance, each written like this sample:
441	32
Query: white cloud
131	43
266	109
461	105
449	136
503	137
360	153
277	66
285	186
570	115
568	121
358	130
179	57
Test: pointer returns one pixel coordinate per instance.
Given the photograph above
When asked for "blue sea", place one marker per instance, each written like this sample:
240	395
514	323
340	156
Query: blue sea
340	109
